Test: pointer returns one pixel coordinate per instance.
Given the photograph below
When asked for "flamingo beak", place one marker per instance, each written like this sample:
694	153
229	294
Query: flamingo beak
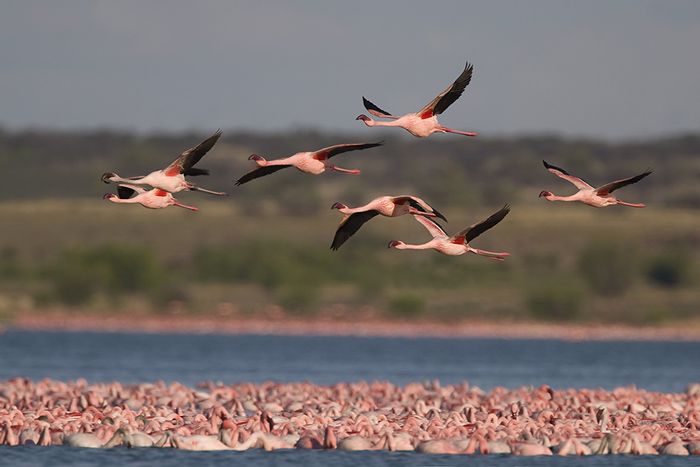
543	193
108	196
106	177
393	244
338	206
254	157
362	117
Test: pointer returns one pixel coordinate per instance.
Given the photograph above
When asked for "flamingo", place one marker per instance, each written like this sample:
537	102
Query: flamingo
388	206
424	122
313	162
457	244
172	178
597	197
151	199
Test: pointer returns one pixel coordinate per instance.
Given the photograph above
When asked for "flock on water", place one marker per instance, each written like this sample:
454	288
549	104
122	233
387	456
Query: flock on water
423	417
172	179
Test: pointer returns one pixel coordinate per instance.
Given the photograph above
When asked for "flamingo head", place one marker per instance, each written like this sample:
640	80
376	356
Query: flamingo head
395	244
339	206
545	194
109	196
364	118
107	176
260	160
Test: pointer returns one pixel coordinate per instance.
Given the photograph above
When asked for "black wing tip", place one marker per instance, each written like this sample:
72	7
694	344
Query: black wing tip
554	167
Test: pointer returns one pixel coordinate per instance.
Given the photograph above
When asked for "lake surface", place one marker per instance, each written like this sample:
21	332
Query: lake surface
132	358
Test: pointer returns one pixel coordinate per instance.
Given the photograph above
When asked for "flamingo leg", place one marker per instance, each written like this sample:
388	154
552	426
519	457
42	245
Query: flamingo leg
632	205
342	170
191	208
444	129
498	256
416	212
204	190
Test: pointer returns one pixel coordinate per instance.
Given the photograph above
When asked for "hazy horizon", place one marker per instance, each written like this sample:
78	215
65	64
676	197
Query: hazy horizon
619	70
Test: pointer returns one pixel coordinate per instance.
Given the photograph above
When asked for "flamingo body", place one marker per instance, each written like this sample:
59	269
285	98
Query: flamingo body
600	197
457	244
424	122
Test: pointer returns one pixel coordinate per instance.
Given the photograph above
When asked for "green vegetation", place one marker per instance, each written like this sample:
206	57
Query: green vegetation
266	246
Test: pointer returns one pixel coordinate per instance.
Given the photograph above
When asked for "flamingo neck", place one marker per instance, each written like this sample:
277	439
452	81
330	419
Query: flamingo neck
573	197
382	123
408	246
116	199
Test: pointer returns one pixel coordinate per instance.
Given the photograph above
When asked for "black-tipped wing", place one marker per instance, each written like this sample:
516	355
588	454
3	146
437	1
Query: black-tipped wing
612	186
331	151
189	158
420	205
447	97
563	174
376	111
349	226
260	172
193	172
473	231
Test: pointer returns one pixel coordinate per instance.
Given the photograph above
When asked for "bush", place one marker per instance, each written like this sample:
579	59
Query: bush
555	300
607	267
669	269
407	306
79	274
298	298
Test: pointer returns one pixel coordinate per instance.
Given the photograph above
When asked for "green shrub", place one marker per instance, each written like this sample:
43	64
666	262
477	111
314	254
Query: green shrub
298	298
557	300
609	268
79	274
669	269
407	306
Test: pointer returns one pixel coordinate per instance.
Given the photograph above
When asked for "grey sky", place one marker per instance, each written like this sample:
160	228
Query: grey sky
596	68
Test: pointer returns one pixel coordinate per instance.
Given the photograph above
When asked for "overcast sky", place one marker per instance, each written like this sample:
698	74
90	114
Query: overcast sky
595	68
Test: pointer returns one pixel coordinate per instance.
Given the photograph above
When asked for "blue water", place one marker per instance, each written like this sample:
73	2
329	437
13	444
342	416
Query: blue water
131	358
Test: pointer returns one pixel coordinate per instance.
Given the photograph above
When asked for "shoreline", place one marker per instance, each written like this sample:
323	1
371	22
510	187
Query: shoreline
141	323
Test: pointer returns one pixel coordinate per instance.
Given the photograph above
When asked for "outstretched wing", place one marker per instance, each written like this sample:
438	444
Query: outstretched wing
447	97
431	226
330	151
473	231
350	225
561	173
419	204
612	186
189	158
376	111
126	191
260	172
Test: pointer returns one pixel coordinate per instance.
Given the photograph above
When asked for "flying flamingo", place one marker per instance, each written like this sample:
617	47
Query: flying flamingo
172	178
596	197
389	206
151	199
314	162
457	244
424	122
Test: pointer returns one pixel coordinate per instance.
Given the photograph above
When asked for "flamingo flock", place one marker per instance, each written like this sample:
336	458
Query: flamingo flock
421	124
427	418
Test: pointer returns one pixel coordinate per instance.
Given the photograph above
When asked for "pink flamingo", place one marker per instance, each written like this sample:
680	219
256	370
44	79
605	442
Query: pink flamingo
172	178
424	122
457	244
151	199
388	206
311	162
597	197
